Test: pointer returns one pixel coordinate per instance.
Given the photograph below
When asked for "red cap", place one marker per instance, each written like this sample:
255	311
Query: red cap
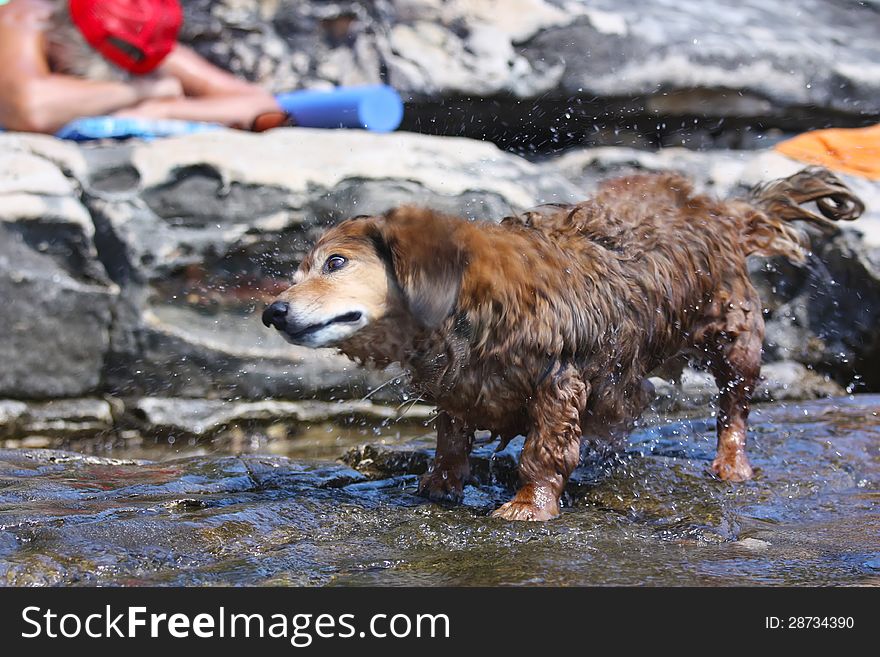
136	35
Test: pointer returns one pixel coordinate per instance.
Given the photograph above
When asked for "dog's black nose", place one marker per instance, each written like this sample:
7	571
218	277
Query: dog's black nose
276	314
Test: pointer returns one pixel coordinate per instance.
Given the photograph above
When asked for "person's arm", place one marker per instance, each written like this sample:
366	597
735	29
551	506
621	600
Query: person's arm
34	99
212	94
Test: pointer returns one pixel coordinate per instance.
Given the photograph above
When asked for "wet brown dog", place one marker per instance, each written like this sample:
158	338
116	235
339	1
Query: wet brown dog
548	324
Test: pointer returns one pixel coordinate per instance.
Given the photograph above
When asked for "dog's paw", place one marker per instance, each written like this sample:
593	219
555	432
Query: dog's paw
515	510
532	502
732	468
442	486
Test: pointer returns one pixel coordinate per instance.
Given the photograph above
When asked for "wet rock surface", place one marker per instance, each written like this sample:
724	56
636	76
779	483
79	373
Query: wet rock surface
147	426
123	422
649	516
44	306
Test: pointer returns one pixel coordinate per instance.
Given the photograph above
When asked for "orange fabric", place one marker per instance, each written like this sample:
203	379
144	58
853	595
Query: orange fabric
850	150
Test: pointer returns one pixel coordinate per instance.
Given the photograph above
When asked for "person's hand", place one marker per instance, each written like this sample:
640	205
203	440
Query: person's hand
157	87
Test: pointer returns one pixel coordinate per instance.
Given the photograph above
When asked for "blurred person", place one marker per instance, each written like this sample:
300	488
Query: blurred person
61	60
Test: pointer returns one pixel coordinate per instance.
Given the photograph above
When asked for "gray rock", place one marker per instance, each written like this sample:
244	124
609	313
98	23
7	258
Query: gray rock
381	462
557	71
170	350
77	422
214	198
40	200
830	320
54	329
67	418
200	418
11	412
792	381
635	49
57	299
780	381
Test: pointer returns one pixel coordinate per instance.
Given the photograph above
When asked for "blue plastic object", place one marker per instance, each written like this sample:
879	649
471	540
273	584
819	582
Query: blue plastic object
112	127
376	107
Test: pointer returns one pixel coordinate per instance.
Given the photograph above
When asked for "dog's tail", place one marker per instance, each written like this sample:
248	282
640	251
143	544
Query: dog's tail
774	205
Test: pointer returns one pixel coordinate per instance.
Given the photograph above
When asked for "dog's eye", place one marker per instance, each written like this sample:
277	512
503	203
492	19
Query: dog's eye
334	263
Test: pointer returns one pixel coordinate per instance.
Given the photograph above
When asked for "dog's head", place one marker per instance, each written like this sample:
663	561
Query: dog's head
368	271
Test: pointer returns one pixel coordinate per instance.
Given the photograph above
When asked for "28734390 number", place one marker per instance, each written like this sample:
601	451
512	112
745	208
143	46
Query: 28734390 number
809	622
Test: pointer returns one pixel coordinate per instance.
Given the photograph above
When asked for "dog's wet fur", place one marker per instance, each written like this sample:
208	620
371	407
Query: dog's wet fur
548	324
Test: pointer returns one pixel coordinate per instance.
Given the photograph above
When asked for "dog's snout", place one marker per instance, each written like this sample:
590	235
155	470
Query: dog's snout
275	314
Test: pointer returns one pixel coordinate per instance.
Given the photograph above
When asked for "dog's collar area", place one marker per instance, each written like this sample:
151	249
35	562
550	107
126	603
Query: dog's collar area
345	318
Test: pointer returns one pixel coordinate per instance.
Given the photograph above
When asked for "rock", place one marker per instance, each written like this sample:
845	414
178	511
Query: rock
792	381
54	329
780	381
63	421
692	390
174	203
752	544
200	418
306	164
378	462
11	412
170	350
274	473
830	321
683	66
56	420
39	193
551	72
67	418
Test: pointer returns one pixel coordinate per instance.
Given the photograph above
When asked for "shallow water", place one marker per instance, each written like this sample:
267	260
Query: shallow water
291	514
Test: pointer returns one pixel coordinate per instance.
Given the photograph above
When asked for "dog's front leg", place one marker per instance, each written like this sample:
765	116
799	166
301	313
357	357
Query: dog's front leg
552	448
444	482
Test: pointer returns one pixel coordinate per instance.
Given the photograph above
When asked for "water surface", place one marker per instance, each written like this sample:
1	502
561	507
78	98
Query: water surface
264	512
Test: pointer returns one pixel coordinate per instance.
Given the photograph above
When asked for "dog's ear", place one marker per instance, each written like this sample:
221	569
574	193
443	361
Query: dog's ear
427	261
